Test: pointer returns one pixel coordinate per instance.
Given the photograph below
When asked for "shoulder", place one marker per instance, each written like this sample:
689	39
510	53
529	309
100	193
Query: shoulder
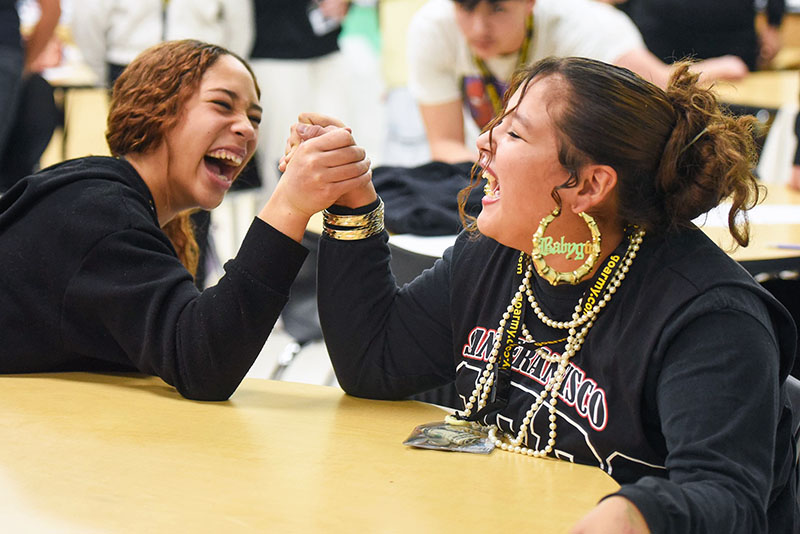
434	25
434	12
433	77
687	276
91	195
575	10
692	259
584	27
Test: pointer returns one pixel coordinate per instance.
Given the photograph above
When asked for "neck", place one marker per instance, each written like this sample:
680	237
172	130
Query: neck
152	169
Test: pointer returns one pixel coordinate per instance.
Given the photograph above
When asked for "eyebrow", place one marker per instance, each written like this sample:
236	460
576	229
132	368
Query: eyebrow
521	119
235	96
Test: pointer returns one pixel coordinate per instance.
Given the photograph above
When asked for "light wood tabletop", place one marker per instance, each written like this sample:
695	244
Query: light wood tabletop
767	89
123	453
774	228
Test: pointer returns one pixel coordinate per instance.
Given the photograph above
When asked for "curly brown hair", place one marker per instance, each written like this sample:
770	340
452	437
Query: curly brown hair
146	102
677	154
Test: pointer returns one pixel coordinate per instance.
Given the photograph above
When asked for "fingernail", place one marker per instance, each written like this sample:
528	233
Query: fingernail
302	128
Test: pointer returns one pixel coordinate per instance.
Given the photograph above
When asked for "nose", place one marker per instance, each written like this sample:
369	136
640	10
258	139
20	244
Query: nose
476	25
483	142
244	127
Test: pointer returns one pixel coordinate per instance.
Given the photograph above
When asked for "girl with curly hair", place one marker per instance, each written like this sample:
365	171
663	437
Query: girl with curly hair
97	253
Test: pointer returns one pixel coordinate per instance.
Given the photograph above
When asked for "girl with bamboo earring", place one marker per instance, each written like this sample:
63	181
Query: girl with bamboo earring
583	316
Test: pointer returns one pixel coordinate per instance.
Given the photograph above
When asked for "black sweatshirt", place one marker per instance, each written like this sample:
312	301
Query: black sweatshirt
90	282
677	392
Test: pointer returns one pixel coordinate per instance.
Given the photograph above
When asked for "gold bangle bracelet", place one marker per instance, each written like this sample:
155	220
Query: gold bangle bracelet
352	221
353	234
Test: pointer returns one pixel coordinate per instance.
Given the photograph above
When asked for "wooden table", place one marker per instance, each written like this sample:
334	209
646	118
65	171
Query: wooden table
767	231
115	453
762	89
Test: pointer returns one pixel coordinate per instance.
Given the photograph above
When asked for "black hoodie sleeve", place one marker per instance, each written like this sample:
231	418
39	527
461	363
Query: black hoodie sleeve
132	294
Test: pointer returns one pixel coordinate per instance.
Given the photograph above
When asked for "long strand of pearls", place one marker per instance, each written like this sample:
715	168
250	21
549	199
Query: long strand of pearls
575	340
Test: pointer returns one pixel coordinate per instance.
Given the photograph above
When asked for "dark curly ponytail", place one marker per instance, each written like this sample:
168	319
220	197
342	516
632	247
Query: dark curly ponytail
709	157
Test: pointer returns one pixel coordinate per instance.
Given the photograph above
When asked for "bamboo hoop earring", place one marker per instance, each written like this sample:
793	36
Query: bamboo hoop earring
566	277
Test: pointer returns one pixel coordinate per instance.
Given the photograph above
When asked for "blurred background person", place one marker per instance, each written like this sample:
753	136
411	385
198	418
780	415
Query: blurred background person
23	137
462	53
297	57
110	33
675	29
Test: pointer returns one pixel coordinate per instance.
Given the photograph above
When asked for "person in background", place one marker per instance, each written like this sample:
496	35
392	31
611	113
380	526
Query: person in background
97	253
17	78
676	29
461	53
583	316
296	48
110	33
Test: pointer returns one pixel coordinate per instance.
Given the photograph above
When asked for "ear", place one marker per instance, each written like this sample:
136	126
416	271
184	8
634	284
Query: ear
596	186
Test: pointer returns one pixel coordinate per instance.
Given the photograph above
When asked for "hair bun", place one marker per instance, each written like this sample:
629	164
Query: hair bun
708	157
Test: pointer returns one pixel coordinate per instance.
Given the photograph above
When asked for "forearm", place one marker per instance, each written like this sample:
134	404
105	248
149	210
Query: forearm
384	342
201	343
645	64
444	128
284	217
717	400
223	330
451	151
41	34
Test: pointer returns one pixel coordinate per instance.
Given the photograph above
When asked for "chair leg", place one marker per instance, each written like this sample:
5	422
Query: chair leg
285	359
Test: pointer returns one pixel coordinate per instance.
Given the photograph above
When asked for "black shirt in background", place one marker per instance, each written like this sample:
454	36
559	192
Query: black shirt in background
675	29
283	31
9	24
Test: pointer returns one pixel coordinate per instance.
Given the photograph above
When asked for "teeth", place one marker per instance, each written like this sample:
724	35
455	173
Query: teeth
223	178
226	157
488	189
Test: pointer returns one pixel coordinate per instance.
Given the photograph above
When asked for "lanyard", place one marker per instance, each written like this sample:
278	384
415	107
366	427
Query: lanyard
498	398
488	78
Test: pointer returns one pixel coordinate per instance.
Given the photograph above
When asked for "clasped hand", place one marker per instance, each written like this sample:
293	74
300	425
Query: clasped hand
324	163
322	166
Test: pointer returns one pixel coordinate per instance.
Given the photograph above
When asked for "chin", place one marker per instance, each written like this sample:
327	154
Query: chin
211	204
485	228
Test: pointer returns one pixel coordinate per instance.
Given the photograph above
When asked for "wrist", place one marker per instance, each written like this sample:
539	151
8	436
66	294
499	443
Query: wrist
359	198
284	218
358	224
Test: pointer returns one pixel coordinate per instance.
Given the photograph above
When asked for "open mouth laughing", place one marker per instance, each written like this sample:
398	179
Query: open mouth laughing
224	163
492	187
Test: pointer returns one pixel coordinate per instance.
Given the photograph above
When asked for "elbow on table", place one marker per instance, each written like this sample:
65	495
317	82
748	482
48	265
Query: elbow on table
208	390
370	389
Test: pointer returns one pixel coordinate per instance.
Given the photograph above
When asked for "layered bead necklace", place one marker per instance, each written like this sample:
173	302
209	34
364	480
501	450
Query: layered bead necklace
582	321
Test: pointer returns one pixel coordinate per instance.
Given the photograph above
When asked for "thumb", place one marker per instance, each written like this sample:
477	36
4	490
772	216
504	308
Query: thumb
308	131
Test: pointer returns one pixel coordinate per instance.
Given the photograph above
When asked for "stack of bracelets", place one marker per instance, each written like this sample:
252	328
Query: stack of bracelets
353	227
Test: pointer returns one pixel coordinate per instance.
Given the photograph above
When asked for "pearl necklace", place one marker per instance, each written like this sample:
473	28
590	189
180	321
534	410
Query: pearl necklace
575	340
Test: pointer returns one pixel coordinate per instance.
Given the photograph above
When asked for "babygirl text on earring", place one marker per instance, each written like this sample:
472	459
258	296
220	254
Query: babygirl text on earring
558	277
